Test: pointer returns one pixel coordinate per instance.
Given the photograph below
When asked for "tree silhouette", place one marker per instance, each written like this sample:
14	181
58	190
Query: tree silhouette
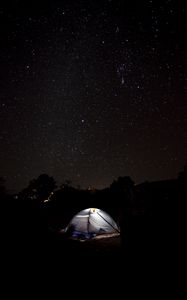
122	184
40	188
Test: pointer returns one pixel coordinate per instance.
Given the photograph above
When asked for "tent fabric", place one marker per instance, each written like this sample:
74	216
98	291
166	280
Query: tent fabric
91	222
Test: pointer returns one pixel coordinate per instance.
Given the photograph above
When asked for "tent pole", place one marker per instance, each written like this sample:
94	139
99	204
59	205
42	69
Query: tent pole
108	223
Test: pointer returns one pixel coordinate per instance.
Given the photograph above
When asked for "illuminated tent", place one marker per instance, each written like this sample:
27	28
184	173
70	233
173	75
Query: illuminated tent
91	222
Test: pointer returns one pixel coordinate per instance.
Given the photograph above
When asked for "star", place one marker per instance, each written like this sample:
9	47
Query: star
94	90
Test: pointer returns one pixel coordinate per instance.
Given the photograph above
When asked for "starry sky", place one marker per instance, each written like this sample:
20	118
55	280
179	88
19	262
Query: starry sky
92	90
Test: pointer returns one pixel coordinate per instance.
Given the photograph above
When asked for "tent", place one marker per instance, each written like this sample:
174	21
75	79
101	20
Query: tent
91	222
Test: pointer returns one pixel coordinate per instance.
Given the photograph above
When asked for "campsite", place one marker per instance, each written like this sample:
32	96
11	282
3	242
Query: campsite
88	236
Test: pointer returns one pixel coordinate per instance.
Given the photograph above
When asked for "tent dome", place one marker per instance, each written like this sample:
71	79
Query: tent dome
91	222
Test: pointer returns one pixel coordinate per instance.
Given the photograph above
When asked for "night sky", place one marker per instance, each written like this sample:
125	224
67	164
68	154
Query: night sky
92	90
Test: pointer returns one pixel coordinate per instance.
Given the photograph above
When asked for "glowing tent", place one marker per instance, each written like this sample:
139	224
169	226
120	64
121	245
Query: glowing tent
91	222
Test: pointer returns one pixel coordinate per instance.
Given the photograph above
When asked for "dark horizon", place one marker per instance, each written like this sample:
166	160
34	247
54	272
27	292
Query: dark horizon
92	91
59	183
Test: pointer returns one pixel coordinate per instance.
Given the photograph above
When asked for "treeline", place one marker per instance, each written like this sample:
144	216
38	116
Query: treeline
144	212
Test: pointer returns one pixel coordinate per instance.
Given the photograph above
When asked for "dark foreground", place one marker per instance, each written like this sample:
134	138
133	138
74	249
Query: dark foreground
34	257
51	263
53	254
